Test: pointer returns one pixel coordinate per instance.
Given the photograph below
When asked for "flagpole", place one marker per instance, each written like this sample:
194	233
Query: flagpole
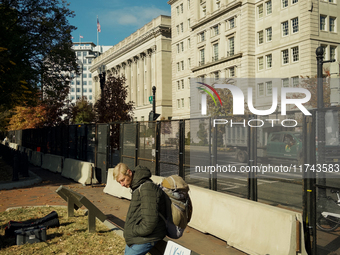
97	34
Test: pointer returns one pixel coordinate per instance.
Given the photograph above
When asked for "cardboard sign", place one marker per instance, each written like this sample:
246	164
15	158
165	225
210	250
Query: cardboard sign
176	249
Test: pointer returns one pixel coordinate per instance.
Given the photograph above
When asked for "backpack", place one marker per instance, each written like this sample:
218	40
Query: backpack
178	205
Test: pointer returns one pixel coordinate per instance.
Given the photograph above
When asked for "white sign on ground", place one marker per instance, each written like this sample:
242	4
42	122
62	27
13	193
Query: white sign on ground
176	249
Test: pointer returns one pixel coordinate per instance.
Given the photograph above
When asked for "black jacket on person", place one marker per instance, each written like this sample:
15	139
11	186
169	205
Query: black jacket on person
143	223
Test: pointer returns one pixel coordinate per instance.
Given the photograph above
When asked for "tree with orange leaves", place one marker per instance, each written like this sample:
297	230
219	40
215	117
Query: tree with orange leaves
27	117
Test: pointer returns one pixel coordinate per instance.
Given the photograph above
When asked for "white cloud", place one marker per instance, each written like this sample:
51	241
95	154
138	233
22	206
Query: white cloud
134	16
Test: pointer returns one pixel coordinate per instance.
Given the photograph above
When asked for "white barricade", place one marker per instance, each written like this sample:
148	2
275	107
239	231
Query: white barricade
115	189
36	158
249	226
80	171
53	163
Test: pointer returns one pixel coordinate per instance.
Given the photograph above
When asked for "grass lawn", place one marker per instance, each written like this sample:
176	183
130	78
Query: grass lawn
71	237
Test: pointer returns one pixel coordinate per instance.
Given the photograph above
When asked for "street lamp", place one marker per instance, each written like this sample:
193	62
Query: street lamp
102	76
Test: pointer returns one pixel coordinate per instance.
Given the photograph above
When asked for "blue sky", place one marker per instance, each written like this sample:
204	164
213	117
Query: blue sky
118	19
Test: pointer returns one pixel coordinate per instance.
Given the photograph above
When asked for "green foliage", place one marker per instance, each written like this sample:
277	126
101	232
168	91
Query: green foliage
111	105
202	134
36	54
82	112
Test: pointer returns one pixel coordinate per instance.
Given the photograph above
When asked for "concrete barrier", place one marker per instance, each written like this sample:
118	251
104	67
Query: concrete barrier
80	171
53	163
36	158
14	146
29	154
249	226
115	189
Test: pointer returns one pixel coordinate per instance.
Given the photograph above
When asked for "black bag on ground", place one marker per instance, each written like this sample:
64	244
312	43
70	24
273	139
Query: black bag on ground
35	234
49	221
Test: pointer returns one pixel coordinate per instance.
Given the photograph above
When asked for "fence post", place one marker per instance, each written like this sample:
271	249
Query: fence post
181	149
158	147
137	144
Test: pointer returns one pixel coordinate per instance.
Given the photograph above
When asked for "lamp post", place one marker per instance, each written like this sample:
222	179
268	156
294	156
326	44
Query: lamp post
102	77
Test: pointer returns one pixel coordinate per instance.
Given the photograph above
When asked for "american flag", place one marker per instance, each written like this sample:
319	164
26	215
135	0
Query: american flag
98	25
81	36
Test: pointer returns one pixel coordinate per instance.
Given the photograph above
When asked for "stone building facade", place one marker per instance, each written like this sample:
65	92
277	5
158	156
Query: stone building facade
248	39
144	59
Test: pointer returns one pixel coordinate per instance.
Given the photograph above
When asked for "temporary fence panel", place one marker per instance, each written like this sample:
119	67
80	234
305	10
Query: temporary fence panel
169	150
101	163
147	145
128	144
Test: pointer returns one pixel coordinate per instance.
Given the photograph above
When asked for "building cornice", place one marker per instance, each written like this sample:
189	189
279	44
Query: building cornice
172	1
216	15
160	30
222	60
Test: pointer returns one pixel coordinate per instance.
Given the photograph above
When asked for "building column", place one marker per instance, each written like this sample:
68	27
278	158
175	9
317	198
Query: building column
148	73
134	80
141	79
128	79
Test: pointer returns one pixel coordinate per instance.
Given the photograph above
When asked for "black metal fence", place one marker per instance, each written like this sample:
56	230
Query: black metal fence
182	146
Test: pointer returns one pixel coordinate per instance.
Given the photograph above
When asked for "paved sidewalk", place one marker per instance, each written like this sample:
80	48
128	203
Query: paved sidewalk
43	193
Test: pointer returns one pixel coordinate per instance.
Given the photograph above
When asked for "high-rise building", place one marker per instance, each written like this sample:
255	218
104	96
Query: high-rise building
248	39
81	85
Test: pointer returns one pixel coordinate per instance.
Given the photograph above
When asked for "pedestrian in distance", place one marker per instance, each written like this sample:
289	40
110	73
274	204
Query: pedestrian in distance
143	226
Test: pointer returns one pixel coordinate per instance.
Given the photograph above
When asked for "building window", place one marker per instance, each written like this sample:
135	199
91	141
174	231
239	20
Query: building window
78	90
90	75
215	30
216	75
202	37
178	85
232	71
78	82
332	52
260	11
269	34
78	54
231	46
178	103
260	87
204	11
188	23
182	65
90	97
189	45
90	90
182	82
269	7
72	90
89	61
215	52
202	57
285	83
218	4
322	22
269	88
178	67
295	1
177	27
284	3
295	54
332	24
324	50
85	90
182	46
285	29
84	83
84	75
84	68
295	81
295	25
181	27
84	61
269	60
177	10
182	99
260	63
177	45
181	8
285	57
231	23
260	36
90	82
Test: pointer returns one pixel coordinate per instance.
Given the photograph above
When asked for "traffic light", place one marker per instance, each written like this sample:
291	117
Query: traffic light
153	116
